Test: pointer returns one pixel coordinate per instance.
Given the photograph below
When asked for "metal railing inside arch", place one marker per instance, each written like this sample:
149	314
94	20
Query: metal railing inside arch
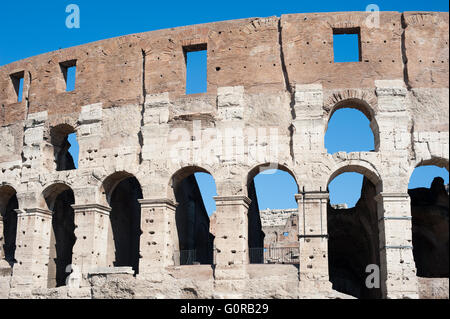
275	255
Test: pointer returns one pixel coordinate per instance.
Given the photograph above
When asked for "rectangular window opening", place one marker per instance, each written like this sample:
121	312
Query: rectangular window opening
347	45
17	81
69	70
196	58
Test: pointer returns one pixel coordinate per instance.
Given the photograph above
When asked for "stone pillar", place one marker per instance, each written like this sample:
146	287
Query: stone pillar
155	127
91	230
398	271
89	134
313	237
392	116
33	146
34	227
231	242
159	239
309	120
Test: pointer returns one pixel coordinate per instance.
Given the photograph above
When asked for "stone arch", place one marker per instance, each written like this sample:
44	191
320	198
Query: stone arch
51	191
6	192
122	192
8	222
364	101
195	240
354	234
110	182
358	100
432	161
259	168
256	235
361	167
180	175
59	198
66	120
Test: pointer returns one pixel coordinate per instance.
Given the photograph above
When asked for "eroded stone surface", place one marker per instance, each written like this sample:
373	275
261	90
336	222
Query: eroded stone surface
271	78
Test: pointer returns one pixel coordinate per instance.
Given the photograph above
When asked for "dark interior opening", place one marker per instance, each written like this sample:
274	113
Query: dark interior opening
59	138
62	238
9	216
255	232
125	219
196	243
354	244
429	210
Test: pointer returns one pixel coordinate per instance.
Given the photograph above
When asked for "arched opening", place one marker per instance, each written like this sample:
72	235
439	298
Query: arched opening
272	216
123	192
429	194
351	128
345	190
353	232
59	199
192	216
8	206
65	147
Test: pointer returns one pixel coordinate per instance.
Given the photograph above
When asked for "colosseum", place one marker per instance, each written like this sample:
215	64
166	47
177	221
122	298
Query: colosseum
127	220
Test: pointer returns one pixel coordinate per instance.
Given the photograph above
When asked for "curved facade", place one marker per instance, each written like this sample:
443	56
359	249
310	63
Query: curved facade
272	86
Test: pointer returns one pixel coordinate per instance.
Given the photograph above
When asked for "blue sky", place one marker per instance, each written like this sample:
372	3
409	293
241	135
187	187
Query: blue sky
29	28
33	27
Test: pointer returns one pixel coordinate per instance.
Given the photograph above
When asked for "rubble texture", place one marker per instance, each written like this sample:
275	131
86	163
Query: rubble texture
128	106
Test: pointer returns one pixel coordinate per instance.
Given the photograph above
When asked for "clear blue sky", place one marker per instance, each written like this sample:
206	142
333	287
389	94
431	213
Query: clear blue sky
29	28
33	27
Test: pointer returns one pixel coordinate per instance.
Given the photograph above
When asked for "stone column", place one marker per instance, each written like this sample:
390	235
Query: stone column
392	117
34	227
313	237
89	134
231	242
159	239
91	230
309	121
398	270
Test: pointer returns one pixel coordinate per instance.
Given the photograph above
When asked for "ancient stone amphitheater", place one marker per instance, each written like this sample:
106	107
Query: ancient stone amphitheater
128	222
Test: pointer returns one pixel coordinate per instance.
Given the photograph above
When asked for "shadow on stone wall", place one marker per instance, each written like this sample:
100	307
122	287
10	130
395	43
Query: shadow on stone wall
353	241
192	224
429	209
62	238
10	230
125	219
353	244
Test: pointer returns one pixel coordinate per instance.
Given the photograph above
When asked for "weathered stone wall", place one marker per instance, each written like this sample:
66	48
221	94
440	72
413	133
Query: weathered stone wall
353	241
280	227
129	109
